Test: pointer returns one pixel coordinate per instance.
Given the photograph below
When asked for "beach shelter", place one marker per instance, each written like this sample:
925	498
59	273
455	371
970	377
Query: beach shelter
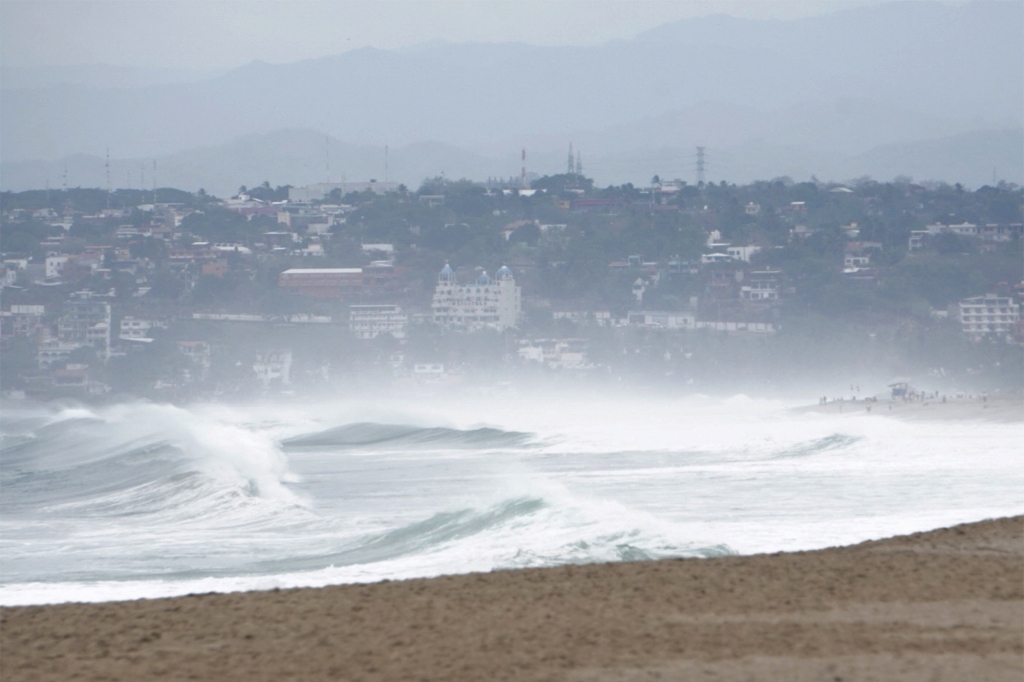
900	386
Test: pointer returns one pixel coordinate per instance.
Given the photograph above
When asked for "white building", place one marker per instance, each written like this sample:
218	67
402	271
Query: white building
742	253
25	320
387	250
135	328
762	285
661	319
738	327
555	353
918	237
55	266
711	258
639	287
55	350
989	315
601	318
86	321
370	321
199	353
485	304
274	366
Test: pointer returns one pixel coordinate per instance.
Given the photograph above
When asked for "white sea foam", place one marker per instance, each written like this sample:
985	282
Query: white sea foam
142	500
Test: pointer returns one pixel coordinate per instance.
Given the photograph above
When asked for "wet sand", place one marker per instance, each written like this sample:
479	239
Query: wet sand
996	409
942	605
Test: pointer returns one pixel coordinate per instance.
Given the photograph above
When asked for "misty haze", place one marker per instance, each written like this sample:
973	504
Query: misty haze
464	341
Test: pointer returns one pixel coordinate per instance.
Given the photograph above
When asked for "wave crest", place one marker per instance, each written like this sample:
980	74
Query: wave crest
370	434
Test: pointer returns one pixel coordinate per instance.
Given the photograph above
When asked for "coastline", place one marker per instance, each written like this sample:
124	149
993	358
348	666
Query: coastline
940	605
992	409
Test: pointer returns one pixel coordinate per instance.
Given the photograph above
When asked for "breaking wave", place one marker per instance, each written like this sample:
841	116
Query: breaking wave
368	434
138	500
836	441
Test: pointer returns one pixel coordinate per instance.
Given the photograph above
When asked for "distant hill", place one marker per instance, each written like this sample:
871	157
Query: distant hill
928	61
299	157
296	157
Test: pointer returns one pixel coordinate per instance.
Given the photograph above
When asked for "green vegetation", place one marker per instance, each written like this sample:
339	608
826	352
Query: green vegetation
572	247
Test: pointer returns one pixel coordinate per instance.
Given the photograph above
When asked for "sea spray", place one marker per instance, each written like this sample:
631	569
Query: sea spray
140	499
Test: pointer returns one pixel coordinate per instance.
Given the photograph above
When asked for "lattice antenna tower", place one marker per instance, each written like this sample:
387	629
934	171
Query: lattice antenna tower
107	168
701	166
522	173
569	165
579	164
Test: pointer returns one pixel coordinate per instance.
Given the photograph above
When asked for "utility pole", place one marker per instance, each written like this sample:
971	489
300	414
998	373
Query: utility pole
701	166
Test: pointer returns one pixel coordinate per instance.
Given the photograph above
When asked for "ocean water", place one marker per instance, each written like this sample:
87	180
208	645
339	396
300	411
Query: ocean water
144	500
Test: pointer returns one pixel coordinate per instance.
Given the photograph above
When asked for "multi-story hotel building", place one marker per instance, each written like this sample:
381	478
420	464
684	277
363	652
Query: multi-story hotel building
989	315
370	321
484	304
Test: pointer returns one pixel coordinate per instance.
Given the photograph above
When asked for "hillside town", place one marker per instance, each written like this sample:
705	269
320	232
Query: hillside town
177	295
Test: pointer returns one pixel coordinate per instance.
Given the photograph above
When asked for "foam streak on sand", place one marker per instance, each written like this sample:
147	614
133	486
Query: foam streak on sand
940	606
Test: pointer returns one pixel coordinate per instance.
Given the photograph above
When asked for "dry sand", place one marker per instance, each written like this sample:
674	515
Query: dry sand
943	605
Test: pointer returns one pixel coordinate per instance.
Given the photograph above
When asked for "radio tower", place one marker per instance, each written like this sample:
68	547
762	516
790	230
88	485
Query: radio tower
522	174
569	167
700	166
579	164
107	167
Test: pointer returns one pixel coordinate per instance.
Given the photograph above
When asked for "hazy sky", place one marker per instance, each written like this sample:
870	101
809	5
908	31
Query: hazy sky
200	34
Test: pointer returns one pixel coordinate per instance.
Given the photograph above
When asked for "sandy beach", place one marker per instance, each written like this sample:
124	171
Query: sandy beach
942	605
994	409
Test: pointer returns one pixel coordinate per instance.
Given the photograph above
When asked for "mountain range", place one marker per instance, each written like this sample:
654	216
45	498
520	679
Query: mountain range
914	88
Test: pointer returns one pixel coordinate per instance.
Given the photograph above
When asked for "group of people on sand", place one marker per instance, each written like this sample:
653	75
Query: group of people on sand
908	397
824	400
922	396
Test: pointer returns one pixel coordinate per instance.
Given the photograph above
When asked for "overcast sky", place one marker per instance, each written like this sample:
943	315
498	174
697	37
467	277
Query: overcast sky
201	34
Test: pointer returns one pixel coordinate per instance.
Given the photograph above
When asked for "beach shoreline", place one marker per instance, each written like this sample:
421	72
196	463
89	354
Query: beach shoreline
940	605
985	409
